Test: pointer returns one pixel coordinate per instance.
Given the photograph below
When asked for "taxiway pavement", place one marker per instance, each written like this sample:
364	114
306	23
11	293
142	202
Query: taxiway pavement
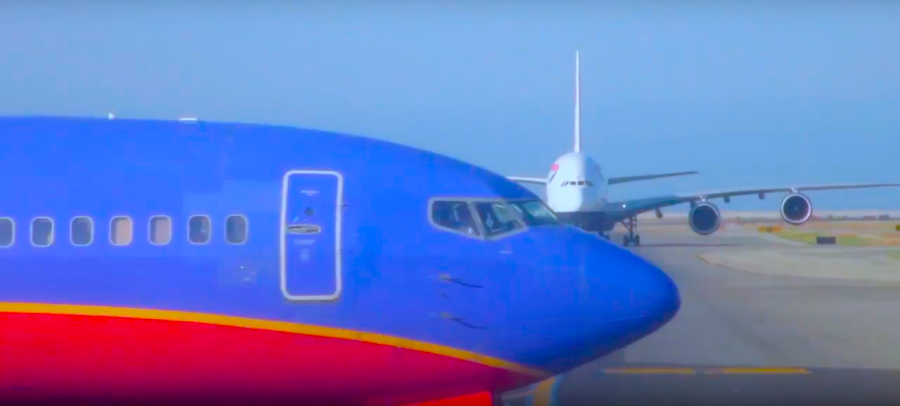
747	338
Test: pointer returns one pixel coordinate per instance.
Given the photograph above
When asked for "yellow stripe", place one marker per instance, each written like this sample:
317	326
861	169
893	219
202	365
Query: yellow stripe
279	326
651	371
543	393
761	371
692	371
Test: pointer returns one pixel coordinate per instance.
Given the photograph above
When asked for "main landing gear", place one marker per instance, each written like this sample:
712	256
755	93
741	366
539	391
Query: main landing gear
631	225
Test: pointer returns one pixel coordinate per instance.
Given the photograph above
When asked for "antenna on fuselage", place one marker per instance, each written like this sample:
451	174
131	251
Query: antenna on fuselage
577	104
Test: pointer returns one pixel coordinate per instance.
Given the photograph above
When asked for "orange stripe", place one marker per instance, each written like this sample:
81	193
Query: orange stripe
280	326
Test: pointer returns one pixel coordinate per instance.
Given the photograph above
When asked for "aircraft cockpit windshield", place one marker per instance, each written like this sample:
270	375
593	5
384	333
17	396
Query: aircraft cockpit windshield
482	218
534	212
496	218
454	215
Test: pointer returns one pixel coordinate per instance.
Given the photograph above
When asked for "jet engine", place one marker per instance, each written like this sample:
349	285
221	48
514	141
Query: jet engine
796	209
704	218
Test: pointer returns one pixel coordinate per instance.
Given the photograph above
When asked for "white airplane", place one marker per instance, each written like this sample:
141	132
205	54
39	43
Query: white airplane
578	192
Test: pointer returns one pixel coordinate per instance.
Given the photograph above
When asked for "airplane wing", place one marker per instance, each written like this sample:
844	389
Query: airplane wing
540	181
624	209
626	179
611	181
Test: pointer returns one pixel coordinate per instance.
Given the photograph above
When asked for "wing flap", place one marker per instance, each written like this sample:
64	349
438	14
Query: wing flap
524	179
794	189
626	179
620	210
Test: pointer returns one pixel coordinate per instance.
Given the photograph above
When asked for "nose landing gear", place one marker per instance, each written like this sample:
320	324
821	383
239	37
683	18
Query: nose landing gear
631	225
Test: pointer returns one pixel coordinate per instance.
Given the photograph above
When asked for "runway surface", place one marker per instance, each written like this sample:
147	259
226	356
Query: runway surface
745	338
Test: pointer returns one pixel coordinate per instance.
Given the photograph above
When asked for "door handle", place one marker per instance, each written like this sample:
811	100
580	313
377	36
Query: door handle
303	229
458	281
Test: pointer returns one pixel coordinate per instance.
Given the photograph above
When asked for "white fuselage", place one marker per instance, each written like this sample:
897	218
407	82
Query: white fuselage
576	183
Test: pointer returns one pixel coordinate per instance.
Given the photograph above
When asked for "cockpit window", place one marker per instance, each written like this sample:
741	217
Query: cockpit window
488	218
534	213
589	183
496	218
454	215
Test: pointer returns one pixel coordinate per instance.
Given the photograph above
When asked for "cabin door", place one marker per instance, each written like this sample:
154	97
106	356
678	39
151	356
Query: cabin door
311	203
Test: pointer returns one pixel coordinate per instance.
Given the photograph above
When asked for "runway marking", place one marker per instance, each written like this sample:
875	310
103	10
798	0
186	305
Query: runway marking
704	371
540	394
794	371
708	262
545	392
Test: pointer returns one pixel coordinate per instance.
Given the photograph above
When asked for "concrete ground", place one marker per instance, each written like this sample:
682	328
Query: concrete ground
749	338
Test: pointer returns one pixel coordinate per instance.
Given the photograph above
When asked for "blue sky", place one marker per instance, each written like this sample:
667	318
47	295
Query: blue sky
750	95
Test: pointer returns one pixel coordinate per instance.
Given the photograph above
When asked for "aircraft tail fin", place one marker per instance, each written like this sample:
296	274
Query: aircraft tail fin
577	104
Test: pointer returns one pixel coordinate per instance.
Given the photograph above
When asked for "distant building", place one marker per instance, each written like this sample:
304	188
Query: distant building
884	217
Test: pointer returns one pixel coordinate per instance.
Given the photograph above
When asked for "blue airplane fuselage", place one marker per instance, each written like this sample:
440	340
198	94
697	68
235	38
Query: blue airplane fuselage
166	258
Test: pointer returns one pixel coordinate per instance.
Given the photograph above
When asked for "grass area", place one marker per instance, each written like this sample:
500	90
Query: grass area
854	241
842	240
838	226
894	255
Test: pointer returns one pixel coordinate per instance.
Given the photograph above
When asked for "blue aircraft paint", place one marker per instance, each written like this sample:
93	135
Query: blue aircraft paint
550	296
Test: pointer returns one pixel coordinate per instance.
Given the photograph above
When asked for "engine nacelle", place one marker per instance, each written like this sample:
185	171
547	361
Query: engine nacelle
704	218
796	209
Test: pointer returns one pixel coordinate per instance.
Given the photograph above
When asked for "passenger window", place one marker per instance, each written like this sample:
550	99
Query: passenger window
496	218
160	230
7	232
121	230
198	229
81	231
581	183
236	229
42	232
454	215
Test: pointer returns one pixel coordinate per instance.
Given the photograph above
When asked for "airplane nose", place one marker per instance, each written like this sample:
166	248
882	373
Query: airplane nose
625	286
570	201
652	293
587	297
620	298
